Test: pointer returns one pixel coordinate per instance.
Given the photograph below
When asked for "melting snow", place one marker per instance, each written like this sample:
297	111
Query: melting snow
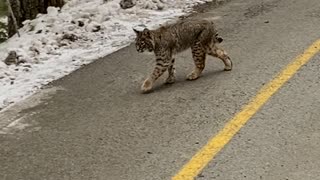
55	44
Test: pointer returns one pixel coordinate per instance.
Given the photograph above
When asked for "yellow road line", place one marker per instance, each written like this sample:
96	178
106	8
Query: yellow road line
210	150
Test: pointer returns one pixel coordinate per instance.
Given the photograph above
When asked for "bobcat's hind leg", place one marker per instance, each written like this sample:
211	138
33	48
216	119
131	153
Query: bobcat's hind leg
171	73
221	54
162	64
199	58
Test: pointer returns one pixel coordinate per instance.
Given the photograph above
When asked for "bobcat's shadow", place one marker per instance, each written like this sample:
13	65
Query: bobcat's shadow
182	82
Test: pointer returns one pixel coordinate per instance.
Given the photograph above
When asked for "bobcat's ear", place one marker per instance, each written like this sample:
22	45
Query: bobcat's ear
146	31
136	31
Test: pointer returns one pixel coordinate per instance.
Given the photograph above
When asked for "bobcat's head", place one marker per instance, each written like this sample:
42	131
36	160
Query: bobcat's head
144	40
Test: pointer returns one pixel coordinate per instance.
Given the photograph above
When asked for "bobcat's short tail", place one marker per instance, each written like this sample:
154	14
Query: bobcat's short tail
218	38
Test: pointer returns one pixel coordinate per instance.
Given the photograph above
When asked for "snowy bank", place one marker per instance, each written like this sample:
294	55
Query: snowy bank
55	44
3	20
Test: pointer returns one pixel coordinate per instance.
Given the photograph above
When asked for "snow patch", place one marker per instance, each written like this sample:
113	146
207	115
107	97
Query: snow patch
55	44
3	20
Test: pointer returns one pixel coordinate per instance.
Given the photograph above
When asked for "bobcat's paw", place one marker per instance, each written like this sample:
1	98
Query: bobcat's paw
170	80
146	86
228	65
192	76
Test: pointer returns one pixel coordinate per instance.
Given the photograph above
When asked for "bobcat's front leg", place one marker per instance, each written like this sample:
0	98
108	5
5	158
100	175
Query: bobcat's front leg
162	64
171	72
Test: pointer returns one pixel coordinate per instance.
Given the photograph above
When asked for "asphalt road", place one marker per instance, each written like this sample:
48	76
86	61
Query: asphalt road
95	123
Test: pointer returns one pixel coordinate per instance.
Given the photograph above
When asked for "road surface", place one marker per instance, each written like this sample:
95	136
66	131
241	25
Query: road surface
95	123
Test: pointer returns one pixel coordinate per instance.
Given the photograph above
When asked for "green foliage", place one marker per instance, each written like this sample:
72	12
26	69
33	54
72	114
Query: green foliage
3	8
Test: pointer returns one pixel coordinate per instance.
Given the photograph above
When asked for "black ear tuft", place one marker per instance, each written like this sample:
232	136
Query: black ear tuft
136	31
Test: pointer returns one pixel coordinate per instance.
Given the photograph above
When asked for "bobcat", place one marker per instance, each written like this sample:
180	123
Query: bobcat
166	41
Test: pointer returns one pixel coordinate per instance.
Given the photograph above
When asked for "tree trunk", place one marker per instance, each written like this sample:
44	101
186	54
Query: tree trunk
28	9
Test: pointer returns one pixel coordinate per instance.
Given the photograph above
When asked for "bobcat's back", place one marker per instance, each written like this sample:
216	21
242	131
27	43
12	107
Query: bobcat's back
184	34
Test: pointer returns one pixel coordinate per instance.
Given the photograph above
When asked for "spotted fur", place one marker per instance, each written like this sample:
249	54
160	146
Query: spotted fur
166	41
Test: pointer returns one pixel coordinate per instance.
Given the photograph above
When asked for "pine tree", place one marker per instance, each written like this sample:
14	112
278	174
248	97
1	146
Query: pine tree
28	9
